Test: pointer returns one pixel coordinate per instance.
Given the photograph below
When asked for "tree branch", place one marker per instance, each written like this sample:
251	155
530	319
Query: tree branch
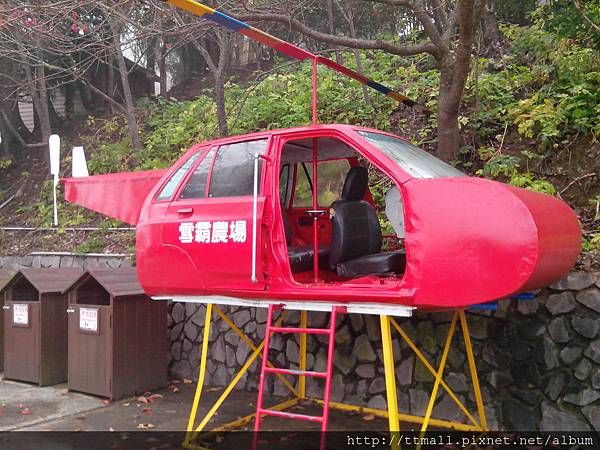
366	44
581	8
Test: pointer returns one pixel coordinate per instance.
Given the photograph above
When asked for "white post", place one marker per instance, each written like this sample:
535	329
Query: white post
54	145
254	217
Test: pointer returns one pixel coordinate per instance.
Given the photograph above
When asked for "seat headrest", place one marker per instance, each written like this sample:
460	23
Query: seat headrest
356	184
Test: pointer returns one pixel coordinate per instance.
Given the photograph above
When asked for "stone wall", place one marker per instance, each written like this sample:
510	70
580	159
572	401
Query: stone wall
53	261
538	360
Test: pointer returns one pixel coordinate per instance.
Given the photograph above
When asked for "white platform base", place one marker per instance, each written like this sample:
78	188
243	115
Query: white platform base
377	309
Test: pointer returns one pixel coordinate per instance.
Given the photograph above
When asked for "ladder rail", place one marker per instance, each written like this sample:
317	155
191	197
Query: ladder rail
261	383
329	369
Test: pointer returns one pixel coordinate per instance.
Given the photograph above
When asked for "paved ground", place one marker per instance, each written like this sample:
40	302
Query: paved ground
23	405
26	407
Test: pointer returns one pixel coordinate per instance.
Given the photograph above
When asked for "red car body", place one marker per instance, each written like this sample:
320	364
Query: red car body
467	240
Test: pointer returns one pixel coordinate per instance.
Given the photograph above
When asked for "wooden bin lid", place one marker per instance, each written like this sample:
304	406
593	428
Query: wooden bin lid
121	282
47	281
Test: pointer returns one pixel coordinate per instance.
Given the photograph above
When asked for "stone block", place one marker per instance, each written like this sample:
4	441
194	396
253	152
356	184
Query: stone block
560	303
582	398
592	413
559	330
569	355
583	369
404	372
590	298
377	402
363	349
574	281
365	370
554	419
178	312
586	326
241	318
593	351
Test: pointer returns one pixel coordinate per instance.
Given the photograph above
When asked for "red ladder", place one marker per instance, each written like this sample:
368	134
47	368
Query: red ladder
265	369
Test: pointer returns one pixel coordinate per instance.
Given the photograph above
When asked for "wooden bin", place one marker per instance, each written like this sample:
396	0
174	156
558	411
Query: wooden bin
117	335
5	277
35	325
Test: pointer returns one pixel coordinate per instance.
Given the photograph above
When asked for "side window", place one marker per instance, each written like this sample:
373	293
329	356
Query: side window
171	186
196	185
331	177
233	171
303	192
284	185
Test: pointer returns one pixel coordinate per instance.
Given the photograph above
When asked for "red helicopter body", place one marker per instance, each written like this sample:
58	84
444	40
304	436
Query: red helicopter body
466	240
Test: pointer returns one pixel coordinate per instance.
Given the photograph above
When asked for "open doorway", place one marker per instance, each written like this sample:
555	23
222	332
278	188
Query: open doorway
359	237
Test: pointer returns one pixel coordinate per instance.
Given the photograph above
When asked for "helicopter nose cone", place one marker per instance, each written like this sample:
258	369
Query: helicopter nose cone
471	240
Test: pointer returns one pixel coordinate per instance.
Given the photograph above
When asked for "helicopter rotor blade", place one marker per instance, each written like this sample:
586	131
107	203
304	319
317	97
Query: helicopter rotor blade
287	48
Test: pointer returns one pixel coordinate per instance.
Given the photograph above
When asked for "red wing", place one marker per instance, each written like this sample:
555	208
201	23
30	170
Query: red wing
118	195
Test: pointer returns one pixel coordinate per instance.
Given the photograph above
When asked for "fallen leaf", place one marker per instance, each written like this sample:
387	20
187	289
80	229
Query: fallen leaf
186	381
143	399
174	389
147	411
80	417
126	404
214	389
77	430
106	402
64	391
156	396
146	426
26	411
369	417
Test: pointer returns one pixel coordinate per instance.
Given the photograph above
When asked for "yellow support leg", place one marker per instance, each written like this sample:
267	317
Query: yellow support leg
439	374
473	370
201	375
430	368
390	374
303	336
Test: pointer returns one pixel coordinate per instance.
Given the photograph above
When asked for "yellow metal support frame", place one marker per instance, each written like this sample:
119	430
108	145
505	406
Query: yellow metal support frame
394	416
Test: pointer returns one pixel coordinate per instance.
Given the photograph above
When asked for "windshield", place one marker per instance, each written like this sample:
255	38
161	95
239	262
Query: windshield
411	158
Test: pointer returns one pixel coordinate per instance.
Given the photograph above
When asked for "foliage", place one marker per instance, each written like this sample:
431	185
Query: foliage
498	165
92	245
5	163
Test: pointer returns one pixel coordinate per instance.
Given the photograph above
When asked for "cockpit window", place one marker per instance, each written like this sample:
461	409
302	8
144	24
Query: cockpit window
411	158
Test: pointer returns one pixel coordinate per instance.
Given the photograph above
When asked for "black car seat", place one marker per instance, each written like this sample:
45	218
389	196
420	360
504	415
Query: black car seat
301	256
356	235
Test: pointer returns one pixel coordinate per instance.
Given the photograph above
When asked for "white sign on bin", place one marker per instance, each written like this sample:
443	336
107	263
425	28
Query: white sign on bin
88	319
21	314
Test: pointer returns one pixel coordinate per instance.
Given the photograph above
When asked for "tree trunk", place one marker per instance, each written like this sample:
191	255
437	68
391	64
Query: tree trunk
491	32
43	111
357	58
110	83
331	20
220	103
162	68
447	120
129	106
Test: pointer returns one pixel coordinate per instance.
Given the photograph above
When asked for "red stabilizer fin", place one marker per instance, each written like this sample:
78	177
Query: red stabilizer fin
118	195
